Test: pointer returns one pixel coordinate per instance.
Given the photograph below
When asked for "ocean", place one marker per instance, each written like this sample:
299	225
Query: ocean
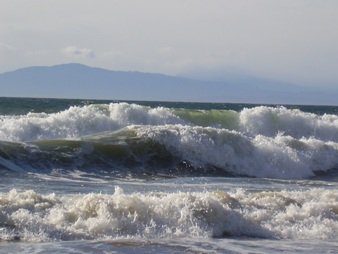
89	176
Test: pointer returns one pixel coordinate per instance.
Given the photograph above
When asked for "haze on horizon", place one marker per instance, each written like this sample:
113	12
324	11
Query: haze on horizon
291	41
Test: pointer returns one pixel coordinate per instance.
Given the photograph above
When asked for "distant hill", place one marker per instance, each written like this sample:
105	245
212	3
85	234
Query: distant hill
81	81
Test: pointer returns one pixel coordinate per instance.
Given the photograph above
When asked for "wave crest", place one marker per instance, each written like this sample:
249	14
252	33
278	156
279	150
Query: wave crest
76	122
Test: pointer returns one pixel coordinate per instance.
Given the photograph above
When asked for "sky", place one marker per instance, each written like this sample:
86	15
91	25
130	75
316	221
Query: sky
293	41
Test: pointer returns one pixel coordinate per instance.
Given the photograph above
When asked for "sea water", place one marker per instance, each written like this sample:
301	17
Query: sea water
152	177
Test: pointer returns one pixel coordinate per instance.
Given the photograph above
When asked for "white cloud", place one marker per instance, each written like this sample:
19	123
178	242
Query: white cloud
73	51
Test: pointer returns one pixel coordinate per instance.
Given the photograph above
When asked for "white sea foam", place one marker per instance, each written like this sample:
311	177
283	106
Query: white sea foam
79	121
261	156
265	142
269	121
31	216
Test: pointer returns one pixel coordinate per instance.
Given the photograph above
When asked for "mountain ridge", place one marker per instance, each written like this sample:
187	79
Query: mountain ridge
74	80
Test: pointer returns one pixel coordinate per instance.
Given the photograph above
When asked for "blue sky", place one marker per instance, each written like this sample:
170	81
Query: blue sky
292	41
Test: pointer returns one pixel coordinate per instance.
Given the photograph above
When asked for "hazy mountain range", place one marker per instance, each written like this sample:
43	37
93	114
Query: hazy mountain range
81	81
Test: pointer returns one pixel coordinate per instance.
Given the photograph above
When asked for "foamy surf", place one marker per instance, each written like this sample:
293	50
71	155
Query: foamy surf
32	216
258	142
167	178
176	150
78	121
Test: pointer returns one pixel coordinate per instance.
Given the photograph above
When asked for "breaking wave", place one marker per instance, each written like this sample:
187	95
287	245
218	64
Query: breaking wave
79	121
122	139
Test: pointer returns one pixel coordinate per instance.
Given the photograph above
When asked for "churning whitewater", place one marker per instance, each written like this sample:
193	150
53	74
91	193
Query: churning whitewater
263	141
102	177
32	216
